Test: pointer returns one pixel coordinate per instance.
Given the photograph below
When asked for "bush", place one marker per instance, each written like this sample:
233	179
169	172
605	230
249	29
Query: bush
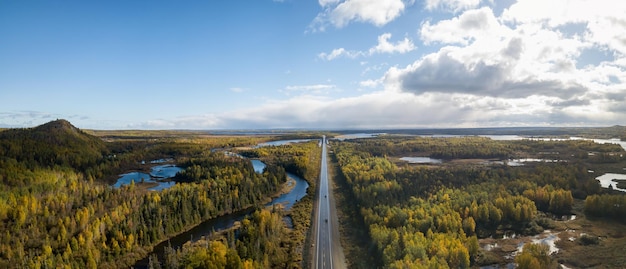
546	223
586	240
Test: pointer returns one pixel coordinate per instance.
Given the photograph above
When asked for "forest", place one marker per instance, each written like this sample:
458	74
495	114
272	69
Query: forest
57	209
432	216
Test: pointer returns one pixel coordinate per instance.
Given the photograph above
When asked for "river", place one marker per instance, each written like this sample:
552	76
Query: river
227	221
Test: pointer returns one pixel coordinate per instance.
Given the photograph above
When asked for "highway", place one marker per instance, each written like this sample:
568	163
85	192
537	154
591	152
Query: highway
328	251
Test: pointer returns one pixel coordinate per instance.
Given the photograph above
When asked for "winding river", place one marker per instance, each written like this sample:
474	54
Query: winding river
224	222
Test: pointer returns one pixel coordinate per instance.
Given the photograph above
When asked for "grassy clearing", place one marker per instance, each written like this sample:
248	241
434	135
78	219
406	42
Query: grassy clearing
609	252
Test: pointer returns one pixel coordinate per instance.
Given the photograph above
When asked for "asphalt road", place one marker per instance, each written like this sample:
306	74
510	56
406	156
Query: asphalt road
328	251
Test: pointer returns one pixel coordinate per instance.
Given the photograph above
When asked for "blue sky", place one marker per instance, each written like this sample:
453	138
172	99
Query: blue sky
329	64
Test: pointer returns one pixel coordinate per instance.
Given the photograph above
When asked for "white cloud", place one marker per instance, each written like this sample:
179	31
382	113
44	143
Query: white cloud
374	68
523	65
371	83
375	110
451	5
469	26
609	32
325	3
387	109
383	46
443	72
561	12
237	89
317	89
337	53
208	121
489	57
341	13
520	68
605	19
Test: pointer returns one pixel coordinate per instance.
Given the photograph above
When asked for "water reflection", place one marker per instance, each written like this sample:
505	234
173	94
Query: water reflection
297	193
164	171
126	179
158	174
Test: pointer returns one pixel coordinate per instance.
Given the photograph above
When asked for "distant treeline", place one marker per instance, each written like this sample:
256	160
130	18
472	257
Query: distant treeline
616	131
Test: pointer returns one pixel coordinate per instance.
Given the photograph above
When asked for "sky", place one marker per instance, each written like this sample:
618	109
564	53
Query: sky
327	64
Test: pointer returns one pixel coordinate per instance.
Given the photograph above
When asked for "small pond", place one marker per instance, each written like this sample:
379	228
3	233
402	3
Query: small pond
548	238
608	179
158	174
258	165
164	171
421	160
521	162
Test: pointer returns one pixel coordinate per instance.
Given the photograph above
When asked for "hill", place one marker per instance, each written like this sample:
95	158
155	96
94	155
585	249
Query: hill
56	143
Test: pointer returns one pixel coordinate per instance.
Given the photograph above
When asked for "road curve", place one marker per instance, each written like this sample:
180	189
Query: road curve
328	251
